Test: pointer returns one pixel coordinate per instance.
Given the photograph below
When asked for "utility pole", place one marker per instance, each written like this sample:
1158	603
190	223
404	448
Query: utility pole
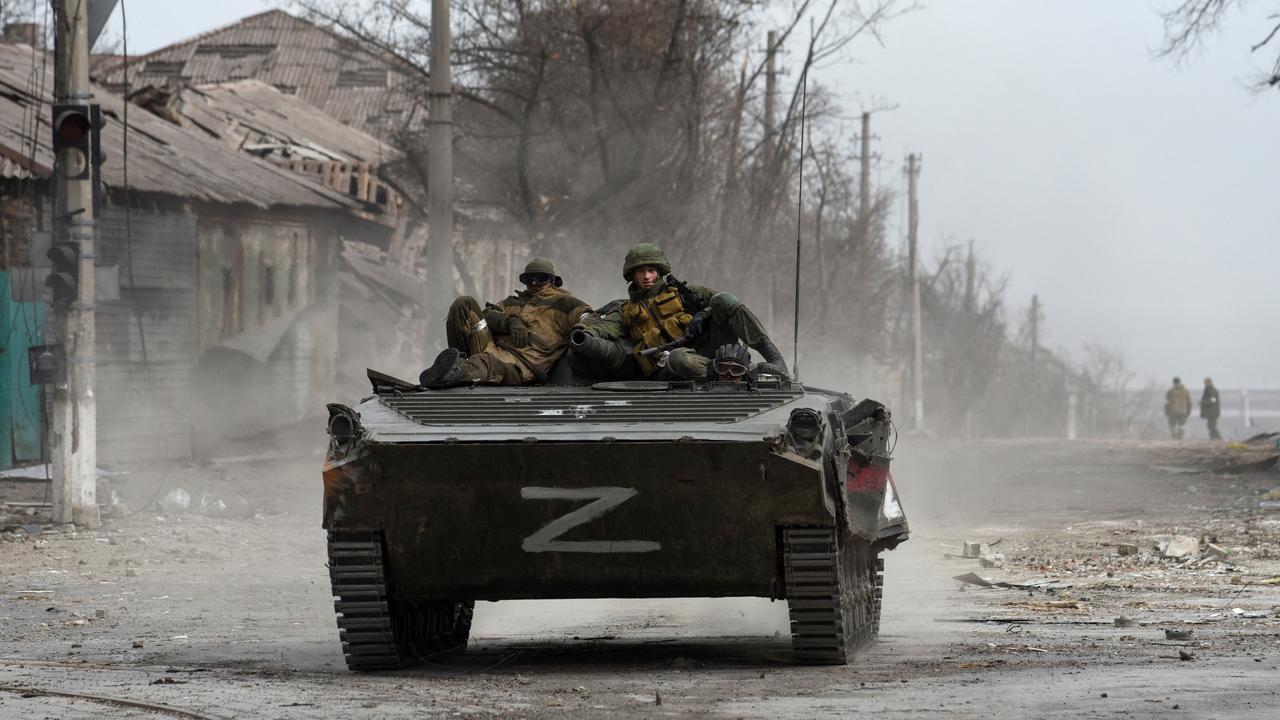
73	441
770	91
971	281
1035	331
439	285
917	344
864	176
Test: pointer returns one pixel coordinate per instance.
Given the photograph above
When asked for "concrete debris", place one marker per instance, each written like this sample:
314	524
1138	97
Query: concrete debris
1269	505
175	501
234	506
1216	552
1243	614
1123	621
1178	634
1127	549
1266	465
179	500
976	579
972	549
1186	656
993	560
1180	546
100	613
40	545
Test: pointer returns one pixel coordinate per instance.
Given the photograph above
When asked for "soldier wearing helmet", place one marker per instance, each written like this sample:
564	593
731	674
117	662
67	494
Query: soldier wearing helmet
661	312
515	342
732	364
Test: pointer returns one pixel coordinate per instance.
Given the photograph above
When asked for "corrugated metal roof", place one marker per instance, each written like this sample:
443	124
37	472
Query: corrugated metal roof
254	112
282	50
163	158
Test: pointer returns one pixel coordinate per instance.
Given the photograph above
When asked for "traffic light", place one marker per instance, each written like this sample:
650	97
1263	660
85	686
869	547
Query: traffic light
73	131
64	273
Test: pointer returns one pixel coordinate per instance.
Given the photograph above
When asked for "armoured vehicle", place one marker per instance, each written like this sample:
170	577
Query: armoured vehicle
434	500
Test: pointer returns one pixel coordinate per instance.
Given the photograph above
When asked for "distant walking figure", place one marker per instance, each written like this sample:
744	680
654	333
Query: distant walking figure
1210	408
1177	407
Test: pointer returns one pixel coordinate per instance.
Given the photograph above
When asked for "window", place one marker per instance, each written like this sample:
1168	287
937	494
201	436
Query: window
269	289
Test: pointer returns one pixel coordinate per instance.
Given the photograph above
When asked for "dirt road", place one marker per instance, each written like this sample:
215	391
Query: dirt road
191	616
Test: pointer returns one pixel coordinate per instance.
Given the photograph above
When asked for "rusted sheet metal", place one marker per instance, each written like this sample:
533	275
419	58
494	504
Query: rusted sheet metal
560	520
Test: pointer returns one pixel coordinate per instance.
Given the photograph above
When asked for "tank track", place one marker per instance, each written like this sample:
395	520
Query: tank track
376	632
832	595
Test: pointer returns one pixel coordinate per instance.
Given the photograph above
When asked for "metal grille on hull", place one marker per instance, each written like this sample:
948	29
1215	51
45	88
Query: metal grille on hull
586	407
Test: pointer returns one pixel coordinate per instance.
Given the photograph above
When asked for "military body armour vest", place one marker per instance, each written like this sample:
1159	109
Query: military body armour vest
653	322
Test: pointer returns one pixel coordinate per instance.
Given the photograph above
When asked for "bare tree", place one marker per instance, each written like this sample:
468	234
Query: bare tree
963	309
21	11
1112	408
1188	22
599	124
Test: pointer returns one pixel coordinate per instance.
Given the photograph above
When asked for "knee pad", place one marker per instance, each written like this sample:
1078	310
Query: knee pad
723	305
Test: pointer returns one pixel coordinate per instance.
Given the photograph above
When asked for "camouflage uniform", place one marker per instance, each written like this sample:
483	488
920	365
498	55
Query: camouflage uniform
1177	408
1211	408
662	314
515	342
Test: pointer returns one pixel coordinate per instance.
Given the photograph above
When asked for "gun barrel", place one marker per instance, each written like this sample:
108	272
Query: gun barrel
650	352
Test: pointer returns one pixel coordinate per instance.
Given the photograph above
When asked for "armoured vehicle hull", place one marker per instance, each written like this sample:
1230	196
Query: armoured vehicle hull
437	499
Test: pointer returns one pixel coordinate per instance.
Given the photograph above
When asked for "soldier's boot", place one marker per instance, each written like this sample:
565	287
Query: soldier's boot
445	371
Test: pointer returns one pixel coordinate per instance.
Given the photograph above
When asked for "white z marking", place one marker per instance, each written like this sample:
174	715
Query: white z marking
605	499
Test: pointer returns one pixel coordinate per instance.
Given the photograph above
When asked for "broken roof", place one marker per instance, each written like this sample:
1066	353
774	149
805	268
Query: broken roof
253	116
163	158
323	68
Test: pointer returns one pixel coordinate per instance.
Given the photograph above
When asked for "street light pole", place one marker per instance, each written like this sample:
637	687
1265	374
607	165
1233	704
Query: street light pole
73	428
439	290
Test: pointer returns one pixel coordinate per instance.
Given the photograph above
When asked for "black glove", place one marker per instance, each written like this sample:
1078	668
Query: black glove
697	325
517	332
765	368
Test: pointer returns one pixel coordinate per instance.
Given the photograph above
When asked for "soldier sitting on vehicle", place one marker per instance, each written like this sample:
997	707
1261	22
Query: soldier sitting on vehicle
732	364
513	343
673	329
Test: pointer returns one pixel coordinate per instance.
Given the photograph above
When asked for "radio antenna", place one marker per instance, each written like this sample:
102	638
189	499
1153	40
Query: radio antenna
795	322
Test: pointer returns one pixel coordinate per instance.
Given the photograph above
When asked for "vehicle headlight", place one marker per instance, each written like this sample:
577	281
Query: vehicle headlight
805	425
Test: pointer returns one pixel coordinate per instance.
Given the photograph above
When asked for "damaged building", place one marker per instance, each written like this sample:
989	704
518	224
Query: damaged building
218	273
371	92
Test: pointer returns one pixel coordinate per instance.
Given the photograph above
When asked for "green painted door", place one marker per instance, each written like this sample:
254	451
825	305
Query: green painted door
21	326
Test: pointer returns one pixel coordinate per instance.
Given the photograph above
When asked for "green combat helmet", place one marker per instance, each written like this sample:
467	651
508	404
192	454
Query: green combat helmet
645	254
541	266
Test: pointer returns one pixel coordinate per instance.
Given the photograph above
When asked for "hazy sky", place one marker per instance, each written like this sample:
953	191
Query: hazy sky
1137	198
